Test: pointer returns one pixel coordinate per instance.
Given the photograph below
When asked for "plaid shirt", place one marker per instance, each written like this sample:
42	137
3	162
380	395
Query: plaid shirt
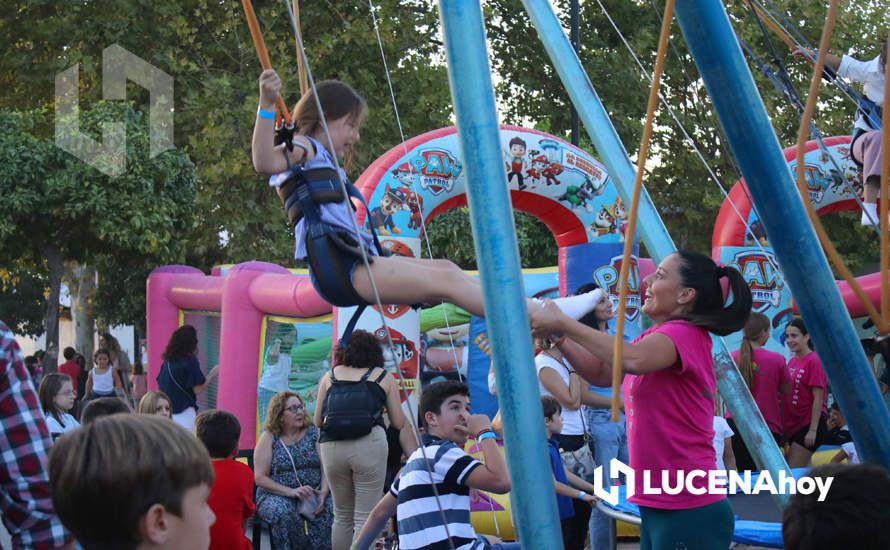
25	501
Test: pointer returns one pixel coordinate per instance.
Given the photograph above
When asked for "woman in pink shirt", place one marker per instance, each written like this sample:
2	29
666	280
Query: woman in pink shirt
766	375
669	394
804	408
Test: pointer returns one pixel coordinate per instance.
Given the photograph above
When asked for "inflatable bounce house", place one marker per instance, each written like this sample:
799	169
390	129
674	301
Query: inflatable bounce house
269	330
740	239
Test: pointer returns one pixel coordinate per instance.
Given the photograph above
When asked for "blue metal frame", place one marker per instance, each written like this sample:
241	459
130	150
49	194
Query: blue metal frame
494	235
741	113
732	388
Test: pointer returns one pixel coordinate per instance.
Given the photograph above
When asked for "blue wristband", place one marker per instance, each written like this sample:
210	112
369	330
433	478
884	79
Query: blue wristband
581	495
486	435
269	115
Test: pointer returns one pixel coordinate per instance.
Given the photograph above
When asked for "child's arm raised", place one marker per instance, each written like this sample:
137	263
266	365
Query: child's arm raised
267	157
492	476
384	510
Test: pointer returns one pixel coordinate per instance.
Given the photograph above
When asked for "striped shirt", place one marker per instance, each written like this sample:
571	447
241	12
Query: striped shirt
418	514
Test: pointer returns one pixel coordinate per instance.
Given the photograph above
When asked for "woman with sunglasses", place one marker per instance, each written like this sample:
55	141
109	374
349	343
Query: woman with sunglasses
287	470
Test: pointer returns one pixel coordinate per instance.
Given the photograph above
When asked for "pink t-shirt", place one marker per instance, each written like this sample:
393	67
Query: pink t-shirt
806	373
670	413
770	372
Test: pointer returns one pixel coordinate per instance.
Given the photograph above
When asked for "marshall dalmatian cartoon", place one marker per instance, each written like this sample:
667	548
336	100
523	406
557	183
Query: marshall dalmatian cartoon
550	172
380	217
539	163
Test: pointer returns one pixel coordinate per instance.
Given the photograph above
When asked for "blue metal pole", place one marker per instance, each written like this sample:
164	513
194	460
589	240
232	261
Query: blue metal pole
599	127
733	390
499	268
741	112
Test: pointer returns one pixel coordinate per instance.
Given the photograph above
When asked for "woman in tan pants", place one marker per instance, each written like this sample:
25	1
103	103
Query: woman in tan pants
351	402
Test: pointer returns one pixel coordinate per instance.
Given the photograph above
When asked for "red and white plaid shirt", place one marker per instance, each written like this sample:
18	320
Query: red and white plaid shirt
25	501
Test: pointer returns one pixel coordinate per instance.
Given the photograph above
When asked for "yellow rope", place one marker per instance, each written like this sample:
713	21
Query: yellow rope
830	250
617	371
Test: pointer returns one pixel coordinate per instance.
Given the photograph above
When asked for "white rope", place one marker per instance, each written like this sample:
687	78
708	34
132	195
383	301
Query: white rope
713	176
412	187
366	261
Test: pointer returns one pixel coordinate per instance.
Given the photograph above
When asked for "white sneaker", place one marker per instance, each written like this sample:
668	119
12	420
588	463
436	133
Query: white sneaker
869	214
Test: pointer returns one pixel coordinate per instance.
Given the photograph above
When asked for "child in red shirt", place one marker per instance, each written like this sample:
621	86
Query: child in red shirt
231	497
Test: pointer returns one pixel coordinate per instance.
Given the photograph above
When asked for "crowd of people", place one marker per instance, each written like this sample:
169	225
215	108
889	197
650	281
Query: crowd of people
93	438
319	481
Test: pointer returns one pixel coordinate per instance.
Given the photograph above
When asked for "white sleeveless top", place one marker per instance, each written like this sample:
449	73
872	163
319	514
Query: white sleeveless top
103	383
572	423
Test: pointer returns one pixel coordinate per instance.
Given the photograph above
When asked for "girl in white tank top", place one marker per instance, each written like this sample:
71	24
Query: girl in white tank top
101	381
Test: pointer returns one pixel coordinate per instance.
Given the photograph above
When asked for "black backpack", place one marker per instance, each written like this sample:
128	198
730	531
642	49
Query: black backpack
352	408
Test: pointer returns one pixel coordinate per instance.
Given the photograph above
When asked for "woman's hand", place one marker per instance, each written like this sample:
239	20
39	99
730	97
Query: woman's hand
546	319
270	88
302	492
810	439
322	497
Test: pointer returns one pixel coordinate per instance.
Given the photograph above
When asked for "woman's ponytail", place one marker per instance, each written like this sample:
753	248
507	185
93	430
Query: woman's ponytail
699	272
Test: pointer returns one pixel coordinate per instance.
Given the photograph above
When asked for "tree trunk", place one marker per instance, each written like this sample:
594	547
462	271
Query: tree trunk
83	291
51	316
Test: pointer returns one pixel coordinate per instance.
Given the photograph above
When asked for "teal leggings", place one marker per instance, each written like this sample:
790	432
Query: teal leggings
704	528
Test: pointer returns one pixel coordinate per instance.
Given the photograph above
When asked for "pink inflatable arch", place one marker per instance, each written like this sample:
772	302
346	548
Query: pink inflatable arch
246	293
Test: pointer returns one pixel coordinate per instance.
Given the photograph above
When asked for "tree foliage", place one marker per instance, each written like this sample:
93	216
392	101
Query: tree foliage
205	46
677	180
61	209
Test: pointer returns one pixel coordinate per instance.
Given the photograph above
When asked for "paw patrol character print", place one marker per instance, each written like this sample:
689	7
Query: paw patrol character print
404	174
577	197
621	217
550	172
381	217
539	165
516	161
414	204
605	222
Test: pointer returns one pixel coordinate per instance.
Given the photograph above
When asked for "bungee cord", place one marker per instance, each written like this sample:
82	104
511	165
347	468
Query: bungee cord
424	236
367	263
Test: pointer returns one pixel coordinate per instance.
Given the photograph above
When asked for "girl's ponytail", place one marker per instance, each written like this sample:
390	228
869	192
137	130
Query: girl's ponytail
754	327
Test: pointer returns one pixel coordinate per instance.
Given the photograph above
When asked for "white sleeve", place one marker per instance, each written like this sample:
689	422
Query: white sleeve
860	71
727	430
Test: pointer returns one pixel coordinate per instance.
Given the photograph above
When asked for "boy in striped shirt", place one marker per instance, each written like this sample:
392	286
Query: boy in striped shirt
425	520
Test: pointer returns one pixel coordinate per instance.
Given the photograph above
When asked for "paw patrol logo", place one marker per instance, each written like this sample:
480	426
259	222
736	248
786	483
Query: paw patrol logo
759	272
438	170
816	181
607	277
